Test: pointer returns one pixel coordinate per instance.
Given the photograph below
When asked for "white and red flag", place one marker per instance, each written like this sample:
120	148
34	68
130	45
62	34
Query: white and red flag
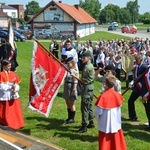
11	34
46	78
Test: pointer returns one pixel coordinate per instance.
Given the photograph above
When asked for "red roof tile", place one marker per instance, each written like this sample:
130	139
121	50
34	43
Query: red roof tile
78	14
2	14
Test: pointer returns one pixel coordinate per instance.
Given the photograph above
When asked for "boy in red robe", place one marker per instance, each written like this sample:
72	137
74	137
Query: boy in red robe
108	115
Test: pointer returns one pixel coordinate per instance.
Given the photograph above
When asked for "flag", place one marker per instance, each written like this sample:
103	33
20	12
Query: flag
11	34
46	78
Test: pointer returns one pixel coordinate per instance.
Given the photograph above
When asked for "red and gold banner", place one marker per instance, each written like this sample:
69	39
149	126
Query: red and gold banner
46	78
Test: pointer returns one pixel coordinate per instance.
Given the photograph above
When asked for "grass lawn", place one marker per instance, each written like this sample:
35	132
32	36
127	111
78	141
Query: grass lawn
53	130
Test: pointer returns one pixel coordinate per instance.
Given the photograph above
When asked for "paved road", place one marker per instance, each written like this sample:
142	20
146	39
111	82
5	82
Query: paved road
141	34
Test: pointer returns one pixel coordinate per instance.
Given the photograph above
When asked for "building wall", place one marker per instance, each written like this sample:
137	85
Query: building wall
85	29
11	13
53	14
3	22
20	10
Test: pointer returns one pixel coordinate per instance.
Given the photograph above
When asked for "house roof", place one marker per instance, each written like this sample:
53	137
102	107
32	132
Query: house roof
75	12
7	7
2	14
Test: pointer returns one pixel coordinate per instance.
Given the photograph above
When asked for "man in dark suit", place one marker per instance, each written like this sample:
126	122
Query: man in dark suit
139	69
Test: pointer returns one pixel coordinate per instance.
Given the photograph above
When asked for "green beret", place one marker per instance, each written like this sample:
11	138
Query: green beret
86	54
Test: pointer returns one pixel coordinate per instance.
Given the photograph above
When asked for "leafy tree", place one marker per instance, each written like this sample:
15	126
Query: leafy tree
92	7
124	16
133	8
110	13
32	8
146	18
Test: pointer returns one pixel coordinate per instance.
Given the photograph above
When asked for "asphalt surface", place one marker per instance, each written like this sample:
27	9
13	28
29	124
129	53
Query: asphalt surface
141	34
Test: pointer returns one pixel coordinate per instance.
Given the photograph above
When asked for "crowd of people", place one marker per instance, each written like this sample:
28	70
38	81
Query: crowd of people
108	61
105	60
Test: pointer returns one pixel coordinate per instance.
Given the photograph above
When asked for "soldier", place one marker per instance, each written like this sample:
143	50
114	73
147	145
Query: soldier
87	92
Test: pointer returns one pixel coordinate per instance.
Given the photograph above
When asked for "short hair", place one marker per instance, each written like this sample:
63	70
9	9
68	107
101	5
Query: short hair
5	62
110	81
139	57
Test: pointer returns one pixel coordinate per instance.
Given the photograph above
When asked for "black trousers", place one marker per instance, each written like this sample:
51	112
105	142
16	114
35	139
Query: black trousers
131	106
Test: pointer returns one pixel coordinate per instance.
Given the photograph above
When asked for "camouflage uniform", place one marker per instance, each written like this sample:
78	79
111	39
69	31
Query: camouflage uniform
87	93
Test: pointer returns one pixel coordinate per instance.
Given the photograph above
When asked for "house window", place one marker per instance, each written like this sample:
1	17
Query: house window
13	15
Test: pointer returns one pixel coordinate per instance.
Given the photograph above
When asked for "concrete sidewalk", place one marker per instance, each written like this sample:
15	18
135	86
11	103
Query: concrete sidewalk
14	140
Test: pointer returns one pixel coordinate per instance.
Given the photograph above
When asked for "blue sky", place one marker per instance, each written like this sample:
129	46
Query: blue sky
144	4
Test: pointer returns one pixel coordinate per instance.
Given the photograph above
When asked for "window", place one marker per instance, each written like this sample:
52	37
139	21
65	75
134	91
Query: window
13	14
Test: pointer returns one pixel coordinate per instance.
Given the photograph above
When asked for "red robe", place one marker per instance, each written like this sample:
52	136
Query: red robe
108	114
10	108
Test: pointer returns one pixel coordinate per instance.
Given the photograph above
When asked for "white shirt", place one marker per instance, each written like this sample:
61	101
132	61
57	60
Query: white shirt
71	53
109	120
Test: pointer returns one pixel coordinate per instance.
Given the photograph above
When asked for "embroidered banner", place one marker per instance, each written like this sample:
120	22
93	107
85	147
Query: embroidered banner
46	78
127	63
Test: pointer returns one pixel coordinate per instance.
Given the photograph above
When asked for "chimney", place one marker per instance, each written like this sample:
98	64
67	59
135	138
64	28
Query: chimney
76	6
60	1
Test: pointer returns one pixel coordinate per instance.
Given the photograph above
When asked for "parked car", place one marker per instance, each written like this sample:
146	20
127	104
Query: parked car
114	24
111	28
127	29
20	37
17	35
3	34
148	29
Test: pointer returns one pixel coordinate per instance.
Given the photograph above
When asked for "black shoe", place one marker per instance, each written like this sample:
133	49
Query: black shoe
65	121
90	125
70	121
82	129
133	119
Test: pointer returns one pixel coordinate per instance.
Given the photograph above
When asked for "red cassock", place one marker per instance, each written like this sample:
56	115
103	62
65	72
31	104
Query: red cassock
10	107
108	114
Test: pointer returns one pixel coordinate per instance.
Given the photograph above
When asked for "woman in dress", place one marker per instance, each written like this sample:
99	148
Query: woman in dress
70	89
10	107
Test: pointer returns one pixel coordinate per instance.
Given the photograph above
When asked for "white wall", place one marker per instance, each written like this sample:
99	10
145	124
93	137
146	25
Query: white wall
3	22
85	29
11	12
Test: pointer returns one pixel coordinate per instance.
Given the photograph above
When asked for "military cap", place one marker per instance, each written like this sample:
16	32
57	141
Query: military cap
86	54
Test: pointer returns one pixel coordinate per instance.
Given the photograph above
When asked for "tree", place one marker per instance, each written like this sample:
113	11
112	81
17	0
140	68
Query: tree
133	8
32	8
124	16
110	13
92	7
146	18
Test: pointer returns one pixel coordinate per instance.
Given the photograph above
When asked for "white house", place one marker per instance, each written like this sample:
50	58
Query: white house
10	11
67	19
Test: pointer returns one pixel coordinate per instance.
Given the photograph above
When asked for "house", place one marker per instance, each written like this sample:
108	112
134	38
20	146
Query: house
20	10
63	18
3	19
10	11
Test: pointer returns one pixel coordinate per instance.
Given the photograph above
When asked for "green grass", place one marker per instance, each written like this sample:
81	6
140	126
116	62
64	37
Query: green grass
52	129
103	36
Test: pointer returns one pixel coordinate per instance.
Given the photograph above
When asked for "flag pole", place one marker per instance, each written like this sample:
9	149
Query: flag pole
57	60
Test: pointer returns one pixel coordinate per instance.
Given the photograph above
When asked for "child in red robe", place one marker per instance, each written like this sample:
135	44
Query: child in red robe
10	107
108	115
